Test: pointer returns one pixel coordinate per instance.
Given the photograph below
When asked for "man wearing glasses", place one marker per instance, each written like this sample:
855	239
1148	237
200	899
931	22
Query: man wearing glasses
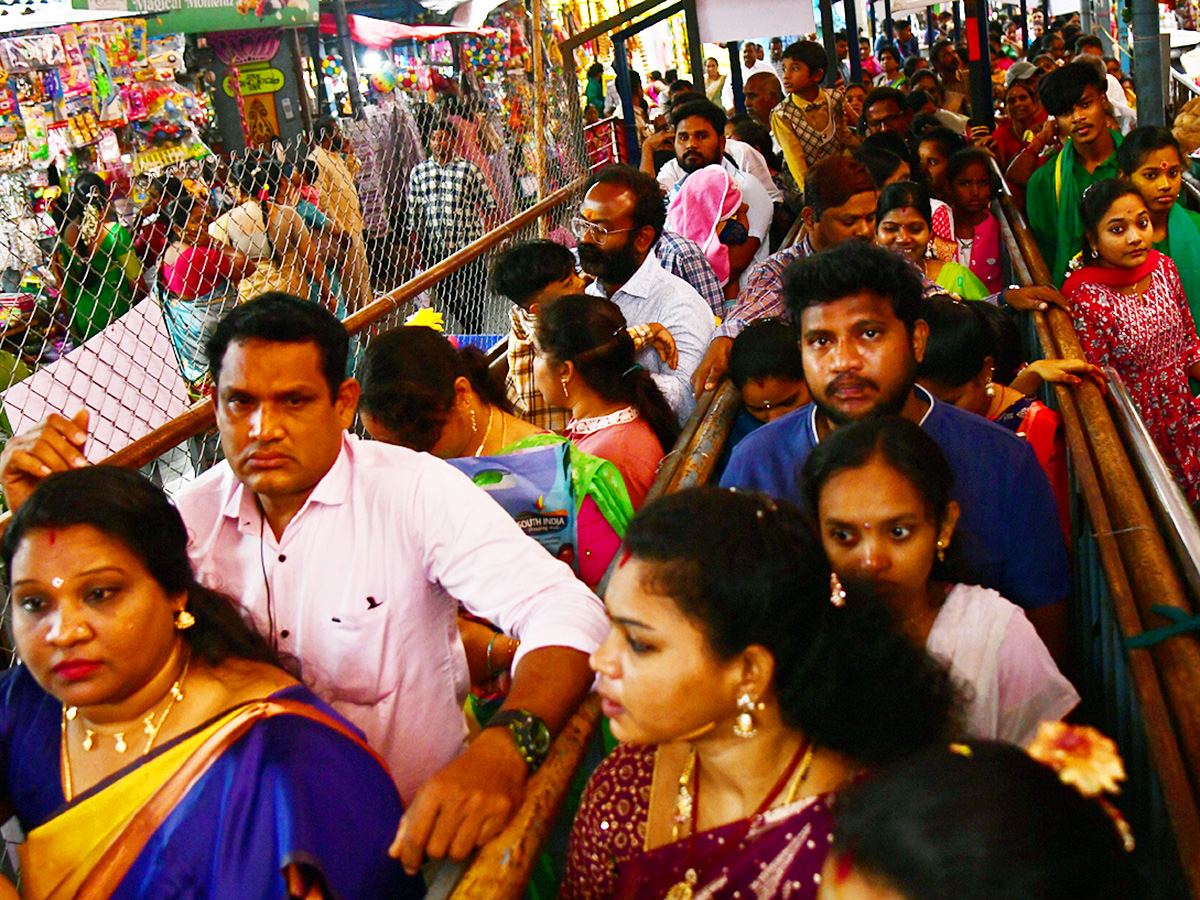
886	109
619	222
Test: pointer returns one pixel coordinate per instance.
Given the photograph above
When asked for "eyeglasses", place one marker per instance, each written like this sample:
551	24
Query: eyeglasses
880	124
582	228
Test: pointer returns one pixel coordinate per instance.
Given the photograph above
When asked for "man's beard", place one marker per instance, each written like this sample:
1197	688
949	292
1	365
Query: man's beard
610	266
884	406
694	163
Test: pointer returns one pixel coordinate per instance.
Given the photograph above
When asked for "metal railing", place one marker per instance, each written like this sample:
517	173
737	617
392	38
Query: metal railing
1182	89
1146	698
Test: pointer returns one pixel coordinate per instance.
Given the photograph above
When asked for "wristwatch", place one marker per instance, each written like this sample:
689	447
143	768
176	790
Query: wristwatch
529	732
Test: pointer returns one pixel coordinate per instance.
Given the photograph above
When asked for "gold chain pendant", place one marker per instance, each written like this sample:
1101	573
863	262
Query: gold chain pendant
684	889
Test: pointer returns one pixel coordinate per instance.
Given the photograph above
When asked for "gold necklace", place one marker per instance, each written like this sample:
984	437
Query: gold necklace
149	728
486	431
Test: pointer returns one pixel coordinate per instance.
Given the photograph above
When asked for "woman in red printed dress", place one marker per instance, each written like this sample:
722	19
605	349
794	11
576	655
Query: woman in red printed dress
1130	313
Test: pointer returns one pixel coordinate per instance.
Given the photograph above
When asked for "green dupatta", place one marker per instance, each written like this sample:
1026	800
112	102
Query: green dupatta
592	477
1183	247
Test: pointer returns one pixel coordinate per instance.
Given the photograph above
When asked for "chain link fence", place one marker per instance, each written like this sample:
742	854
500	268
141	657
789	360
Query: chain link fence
109	291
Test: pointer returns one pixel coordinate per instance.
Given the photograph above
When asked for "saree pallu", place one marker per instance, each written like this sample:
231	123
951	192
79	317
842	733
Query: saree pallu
217	813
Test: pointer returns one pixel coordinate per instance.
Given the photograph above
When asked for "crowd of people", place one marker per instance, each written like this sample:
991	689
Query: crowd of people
329	666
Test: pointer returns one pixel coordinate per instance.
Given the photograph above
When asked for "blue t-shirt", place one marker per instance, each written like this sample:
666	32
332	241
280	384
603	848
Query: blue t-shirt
1008	533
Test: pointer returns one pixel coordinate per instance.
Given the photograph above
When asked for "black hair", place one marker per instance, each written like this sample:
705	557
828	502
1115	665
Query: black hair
904	446
520	271
749	570
982	821
710	59
959	341
966	157
901	194
1061	89
89	189
947	141
757	136
1096	201
1088	40
917	100
938	46
287	319
178	201
841	36
671	76
766	348
892	49
810	53
885	94
1008	352
851	268
910	67
648	206
702	108
407	376
1141	142
256	175
595	69
833	181
590	332
882	164
127	507
887	140
680	86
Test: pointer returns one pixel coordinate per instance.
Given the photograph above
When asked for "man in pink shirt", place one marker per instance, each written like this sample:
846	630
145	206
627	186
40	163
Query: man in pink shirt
353	556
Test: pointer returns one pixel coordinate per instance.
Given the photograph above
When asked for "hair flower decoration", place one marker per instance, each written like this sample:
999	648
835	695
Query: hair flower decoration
427	318
1081	755
1088	761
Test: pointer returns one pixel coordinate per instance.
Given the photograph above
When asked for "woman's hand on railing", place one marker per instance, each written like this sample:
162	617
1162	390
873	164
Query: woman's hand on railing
1057	371
53	445
1036	297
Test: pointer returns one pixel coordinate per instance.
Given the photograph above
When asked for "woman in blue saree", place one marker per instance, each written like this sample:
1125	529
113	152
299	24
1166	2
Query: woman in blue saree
151	744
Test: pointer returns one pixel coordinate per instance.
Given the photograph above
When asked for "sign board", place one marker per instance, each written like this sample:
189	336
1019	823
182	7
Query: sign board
721	20
255	78
198	16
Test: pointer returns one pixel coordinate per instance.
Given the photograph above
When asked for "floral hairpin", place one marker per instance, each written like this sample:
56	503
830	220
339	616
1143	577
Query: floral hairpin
1088	761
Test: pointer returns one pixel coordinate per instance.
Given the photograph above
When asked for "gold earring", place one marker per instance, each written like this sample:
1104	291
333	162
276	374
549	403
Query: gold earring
744	726
941	551
990	390
184	620
474	424
566	393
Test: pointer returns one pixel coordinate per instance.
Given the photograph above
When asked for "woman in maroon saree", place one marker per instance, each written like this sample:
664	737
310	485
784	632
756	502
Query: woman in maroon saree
745	693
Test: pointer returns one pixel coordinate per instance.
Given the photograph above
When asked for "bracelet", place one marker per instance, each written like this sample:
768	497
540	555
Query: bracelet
492	670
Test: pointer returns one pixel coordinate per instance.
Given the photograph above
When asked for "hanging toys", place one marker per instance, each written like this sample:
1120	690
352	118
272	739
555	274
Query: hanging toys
384	78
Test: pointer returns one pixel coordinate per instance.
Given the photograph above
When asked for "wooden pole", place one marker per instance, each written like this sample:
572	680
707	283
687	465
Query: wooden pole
539	110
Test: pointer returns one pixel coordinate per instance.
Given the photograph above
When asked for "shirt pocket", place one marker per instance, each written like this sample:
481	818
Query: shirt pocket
355	666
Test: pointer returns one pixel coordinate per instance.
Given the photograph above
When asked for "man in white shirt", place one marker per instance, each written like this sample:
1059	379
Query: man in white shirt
619	221
699	142
751	63
353	556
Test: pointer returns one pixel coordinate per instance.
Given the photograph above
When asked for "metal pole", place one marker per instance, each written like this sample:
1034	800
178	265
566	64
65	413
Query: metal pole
979	63
1152	103
850	6
830	42
930	27
1085	16
695	45
325	106
539	109
957	22
735	72
306	119
1123	40
348	59
625	91
889	27
1024	27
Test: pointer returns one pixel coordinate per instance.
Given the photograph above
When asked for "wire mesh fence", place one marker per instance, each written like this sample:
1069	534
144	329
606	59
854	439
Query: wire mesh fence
108	294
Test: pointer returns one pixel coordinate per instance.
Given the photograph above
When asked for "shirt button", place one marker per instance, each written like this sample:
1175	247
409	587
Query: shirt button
283	557
284	633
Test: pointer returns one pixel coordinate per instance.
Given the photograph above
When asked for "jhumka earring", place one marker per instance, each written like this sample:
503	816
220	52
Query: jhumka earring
744	726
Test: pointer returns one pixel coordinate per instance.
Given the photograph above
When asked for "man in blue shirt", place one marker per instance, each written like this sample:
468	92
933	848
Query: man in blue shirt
861	340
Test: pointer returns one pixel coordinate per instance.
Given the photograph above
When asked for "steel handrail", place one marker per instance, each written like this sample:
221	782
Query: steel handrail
1175	516
1139	570
1183	79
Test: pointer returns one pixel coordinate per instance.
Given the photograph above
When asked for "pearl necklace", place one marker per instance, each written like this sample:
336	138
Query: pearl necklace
149	727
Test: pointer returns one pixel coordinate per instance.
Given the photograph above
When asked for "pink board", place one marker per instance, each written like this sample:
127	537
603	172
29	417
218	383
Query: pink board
126	376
